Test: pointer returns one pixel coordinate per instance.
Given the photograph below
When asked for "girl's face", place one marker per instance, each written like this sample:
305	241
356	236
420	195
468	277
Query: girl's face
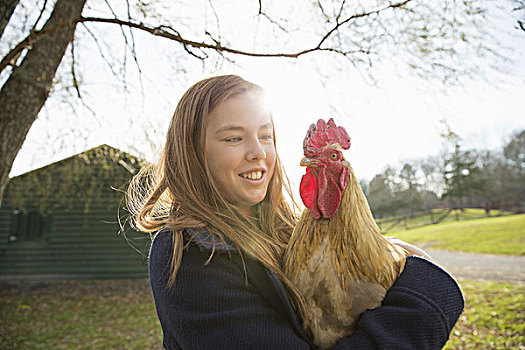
239	149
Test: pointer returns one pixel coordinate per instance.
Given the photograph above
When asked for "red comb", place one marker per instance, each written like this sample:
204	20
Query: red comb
322	134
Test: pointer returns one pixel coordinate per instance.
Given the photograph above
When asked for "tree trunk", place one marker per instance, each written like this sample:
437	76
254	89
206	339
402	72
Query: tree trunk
7	7
28	86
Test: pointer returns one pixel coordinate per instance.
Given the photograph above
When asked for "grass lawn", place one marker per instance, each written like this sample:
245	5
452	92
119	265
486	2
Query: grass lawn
494	317
493	235
80	315
121	315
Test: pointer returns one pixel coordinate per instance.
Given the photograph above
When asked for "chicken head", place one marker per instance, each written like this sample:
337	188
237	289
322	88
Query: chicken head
327	172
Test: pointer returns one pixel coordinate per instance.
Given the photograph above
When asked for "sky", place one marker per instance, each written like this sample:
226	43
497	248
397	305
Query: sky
396	120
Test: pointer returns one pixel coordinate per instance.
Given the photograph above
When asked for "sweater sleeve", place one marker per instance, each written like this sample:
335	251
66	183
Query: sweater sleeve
418	312
216	305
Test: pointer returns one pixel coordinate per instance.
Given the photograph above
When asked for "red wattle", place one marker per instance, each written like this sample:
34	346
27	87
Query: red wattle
329	195
308	192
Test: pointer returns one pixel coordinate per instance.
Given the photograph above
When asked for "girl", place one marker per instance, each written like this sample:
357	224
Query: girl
216	200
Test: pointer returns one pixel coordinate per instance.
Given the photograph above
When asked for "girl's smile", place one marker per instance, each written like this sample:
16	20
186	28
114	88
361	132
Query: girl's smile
254	175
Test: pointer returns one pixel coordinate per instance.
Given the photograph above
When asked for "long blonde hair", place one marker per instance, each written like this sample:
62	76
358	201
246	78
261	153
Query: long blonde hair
180	192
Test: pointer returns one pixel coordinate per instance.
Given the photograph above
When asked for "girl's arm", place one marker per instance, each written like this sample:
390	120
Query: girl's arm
418	312
218	306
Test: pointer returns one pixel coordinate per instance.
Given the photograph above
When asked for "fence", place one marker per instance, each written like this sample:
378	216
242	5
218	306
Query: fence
433	217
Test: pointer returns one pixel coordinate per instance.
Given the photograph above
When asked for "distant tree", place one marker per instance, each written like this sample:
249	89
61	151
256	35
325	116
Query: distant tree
461	175
498	178
514	151
380	196
409	194
364	186
432	181
480	178
431	200
503	173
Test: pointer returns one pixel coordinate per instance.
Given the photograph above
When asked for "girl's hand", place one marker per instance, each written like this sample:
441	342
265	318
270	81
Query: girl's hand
411	249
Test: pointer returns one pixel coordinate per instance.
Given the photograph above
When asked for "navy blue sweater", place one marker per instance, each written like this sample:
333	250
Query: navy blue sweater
226	304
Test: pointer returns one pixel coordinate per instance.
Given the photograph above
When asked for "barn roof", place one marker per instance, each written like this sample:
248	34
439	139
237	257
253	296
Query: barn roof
126	160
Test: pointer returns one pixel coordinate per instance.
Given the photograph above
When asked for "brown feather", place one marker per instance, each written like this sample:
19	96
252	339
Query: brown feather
342	266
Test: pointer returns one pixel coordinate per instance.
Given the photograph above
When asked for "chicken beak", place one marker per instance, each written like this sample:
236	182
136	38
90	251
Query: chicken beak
308	162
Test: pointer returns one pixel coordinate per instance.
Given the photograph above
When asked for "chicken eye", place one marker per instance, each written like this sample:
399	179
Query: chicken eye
333	156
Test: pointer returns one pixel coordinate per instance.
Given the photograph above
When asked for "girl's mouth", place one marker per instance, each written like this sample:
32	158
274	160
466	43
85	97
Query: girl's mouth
252	175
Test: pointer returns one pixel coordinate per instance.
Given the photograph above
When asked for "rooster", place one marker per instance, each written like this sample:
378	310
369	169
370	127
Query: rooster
336	256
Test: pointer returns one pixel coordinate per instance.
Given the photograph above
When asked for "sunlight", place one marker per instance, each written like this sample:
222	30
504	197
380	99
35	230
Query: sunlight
297	100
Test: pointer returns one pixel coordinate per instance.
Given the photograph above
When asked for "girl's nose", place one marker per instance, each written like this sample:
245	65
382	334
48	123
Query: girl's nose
255	152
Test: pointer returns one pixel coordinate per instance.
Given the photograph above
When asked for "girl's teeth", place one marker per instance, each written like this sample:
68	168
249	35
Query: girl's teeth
253	176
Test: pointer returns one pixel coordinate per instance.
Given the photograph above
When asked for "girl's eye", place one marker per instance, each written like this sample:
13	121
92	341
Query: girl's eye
233	139
333	156
267	137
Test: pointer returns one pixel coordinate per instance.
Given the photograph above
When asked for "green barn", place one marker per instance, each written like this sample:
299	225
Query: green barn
66	221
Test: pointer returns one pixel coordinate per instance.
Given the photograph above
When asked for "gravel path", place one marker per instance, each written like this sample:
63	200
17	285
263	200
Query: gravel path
481	266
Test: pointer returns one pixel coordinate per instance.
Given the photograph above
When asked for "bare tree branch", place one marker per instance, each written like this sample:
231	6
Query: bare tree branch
189	45
216	18
170	33
323	12
520	6
269	19
110	66
11	57
131	47
40	15
133	50
73	74
27	88
356	16
7	7
76	85
125	58
341	8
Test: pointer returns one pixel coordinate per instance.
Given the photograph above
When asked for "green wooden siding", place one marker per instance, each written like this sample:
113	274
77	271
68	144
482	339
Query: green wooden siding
60	222
78	246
